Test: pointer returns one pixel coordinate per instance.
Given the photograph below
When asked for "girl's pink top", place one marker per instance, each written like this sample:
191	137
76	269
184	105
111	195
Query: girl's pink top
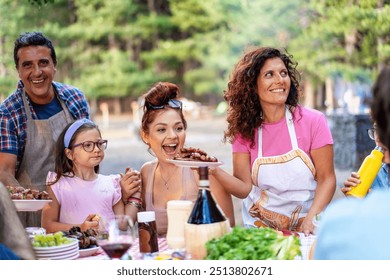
79	198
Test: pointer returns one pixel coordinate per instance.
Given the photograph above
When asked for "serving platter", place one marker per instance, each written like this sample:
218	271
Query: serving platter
30	204
88	252
190	163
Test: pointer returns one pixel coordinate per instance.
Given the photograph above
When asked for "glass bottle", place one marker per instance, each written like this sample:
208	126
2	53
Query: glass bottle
178	212
206	220
367	172
147	231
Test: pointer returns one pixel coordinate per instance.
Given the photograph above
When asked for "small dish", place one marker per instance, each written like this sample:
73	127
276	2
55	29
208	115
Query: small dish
88	251
30	204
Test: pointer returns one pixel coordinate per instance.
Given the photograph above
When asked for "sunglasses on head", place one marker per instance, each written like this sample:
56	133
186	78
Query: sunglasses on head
173	103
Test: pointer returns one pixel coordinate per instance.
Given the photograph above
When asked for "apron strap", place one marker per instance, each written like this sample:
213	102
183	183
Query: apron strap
291	131
68	116
26	105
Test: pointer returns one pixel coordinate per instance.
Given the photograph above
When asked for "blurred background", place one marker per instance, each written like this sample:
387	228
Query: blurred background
115	50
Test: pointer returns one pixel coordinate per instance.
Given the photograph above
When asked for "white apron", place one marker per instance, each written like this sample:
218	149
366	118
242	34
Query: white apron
38	158
283	187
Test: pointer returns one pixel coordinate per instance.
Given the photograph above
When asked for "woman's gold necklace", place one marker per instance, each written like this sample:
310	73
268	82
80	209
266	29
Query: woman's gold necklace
169	177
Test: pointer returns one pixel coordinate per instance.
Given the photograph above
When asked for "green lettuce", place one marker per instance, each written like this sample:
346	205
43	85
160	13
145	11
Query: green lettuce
253	244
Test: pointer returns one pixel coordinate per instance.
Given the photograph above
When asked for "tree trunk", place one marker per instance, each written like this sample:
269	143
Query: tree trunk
3	69
93	107
117	106
309	99
72	11
153	11
329	101
380	42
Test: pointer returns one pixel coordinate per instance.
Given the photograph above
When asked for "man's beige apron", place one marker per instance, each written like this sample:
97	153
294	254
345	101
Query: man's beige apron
283	187
38	158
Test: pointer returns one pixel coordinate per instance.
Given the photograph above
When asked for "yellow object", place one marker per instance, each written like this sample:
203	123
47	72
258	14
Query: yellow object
367	172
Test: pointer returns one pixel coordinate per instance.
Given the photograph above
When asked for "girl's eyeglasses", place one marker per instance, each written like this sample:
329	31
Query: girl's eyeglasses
371	133
89	146
173	103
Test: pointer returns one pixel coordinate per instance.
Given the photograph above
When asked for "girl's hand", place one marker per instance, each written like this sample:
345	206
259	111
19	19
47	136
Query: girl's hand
90	222
130	183
351	182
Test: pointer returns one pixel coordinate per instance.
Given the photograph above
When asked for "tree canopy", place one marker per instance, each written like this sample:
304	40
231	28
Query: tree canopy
120	48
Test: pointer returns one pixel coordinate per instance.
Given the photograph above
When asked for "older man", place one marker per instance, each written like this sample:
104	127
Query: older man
33	116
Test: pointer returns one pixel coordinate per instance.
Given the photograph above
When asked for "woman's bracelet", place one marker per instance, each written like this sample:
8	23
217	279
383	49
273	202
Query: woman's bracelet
135	204
136	199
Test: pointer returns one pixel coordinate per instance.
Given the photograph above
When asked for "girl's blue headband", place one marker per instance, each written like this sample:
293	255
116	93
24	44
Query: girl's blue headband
72	129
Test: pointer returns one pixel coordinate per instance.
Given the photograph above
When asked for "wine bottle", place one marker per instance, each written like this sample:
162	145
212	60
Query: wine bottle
206	220
205	210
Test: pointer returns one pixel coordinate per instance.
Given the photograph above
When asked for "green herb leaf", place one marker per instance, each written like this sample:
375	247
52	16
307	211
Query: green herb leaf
253	244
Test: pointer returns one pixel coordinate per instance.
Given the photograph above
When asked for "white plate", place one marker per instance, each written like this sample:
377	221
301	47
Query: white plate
65	247
71	251
30	204
69	256
189	163
88	252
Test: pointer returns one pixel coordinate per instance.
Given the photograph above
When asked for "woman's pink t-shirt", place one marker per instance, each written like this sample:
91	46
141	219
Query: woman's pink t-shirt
311	129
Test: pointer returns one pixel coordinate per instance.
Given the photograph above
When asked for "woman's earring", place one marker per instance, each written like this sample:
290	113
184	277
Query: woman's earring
150	151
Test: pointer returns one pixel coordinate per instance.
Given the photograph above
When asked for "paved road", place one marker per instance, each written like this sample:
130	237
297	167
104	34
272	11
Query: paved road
126	149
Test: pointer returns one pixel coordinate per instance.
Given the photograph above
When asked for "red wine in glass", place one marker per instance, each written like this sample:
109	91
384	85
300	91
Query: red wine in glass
116	235
116	251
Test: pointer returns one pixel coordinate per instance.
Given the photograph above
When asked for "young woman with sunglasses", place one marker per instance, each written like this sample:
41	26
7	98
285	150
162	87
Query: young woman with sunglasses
163	129
382	179
80	195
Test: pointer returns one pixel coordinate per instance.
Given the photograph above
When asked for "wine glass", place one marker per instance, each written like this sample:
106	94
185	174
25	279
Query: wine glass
116	235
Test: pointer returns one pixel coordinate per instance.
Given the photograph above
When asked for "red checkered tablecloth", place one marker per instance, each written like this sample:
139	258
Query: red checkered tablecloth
306	244
133	251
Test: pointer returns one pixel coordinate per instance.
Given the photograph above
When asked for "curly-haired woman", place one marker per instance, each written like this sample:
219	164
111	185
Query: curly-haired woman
282	152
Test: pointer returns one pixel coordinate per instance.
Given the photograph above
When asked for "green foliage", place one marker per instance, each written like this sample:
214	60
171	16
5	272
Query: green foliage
7	84
344	38
253	244
194	16
120	48
40	3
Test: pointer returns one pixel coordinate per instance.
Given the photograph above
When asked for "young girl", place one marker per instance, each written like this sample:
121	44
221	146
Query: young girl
80	195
